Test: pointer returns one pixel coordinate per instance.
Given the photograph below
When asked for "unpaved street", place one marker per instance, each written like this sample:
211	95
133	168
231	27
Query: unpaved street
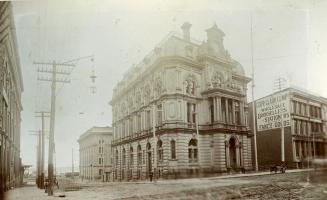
274	186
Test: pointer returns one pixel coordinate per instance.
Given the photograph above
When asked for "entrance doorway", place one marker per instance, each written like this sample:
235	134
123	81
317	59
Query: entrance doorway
149	153
232	153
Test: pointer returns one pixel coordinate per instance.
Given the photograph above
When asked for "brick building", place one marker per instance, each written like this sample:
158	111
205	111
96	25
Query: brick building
305	137
11	87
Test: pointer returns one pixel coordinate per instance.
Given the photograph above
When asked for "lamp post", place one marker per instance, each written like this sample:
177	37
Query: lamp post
282	141
154	111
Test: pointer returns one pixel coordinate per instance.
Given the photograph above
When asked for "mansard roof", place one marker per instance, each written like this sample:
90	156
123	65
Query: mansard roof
174	45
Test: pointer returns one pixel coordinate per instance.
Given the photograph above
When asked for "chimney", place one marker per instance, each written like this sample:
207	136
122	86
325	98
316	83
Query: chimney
186	30
215	34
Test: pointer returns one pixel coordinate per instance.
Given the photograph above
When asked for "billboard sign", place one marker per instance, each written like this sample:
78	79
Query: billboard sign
273	111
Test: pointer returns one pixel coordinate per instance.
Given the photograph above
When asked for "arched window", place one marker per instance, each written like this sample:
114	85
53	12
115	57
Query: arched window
131	158
124	157
160	151
139	155
193	151
173	149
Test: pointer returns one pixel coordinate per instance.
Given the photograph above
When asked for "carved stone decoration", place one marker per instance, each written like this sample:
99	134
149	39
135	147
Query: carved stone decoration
130	102
147	93
138	99
158	87
217	79
190	84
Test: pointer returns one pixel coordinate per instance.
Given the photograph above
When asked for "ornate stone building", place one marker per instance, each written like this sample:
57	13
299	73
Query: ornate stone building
179	85
95	154
11	87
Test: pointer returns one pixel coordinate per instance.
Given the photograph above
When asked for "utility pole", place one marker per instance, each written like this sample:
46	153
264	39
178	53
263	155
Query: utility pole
279	84
253	105
42	147
54	80
38	157
72	163
155	160
155	141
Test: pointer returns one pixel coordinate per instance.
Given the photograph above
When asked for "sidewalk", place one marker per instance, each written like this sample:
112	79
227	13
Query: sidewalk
184	180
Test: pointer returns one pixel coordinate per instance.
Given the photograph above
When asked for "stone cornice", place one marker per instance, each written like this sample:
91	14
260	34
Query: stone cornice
222	92
161	61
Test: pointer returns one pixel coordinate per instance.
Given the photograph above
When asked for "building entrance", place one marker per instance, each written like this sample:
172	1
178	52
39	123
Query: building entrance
149	162
232	153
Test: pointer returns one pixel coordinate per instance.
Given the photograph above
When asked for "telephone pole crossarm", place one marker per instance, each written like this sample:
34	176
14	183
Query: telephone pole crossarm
56	80
57	64
50	71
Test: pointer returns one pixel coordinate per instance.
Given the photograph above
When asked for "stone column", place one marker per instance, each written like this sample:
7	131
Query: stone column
300	149
233	111
242	154
227	114
294	149
220	117
227	154
305	149
242	113
237	149
215	108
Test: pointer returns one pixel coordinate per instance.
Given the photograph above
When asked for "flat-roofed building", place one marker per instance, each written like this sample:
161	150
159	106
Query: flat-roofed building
305	134
11	87
95	154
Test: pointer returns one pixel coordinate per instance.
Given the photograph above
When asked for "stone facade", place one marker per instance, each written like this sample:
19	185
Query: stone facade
11	87
179	85
95	154
305	138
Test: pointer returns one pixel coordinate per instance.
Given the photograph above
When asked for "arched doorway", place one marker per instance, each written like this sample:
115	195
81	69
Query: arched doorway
139	161
123	165
232	153
149	153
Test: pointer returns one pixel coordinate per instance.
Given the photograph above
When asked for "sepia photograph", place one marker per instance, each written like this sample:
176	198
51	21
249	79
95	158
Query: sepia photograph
163	99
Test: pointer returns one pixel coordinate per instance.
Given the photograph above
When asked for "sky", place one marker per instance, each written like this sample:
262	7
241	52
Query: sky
288	41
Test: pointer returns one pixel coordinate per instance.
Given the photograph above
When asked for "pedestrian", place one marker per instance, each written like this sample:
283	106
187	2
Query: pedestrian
151	175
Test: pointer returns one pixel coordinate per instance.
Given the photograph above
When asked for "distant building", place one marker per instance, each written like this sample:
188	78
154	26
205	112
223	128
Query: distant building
305	133
178	85
11	87
95	154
